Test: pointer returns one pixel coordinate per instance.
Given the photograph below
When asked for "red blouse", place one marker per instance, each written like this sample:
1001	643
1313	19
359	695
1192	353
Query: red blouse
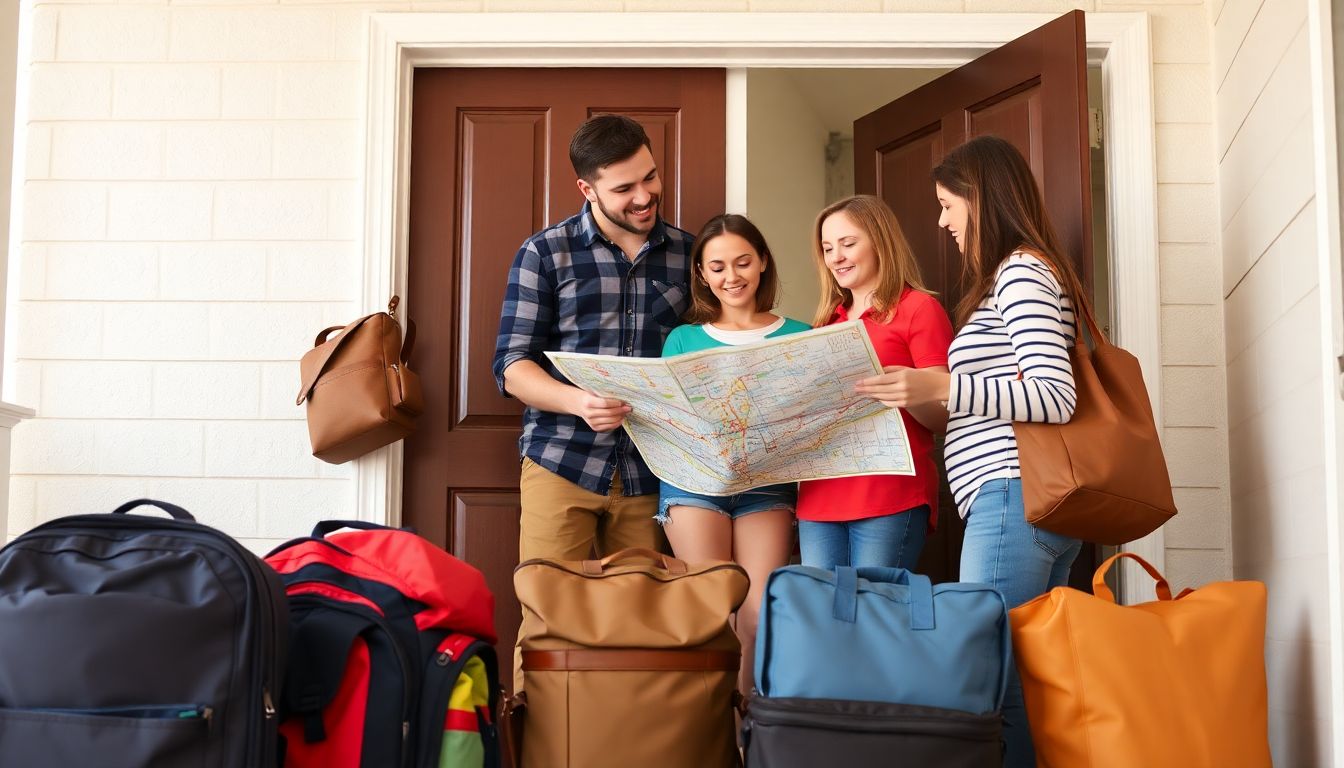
917	336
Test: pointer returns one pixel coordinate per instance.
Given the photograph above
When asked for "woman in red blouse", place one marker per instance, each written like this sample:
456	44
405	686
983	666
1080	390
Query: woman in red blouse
867	271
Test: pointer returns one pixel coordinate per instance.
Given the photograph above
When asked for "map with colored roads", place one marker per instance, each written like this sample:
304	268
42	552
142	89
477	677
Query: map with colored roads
726	420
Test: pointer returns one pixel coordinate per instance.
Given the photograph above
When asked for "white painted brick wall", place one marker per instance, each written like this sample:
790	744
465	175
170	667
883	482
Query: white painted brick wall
220	271
156	331
146	448
213	34
98	272
271	210
113	34
63	210
165	92
249	91
96	389
218	151
69	92
258	449
182	211
223	390
106	151
317	150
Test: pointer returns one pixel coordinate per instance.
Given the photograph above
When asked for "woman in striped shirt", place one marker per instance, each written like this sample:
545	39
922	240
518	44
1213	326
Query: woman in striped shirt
1009	362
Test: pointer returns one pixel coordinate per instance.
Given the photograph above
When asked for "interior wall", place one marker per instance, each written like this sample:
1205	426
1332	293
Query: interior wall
791	116
786	181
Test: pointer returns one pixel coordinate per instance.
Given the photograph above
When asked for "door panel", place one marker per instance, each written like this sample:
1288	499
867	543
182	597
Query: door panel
515	145
1032	92
489	167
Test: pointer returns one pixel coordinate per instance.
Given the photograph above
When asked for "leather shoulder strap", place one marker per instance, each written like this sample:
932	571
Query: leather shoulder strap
326	356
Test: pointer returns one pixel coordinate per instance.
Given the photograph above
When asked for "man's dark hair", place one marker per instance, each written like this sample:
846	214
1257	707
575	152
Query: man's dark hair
604	140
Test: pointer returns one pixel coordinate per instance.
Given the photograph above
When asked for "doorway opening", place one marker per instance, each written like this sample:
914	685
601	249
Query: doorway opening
800	158
399	43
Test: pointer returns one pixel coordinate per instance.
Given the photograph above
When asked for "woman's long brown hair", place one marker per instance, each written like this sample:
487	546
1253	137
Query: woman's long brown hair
896	265
705	306
1007	214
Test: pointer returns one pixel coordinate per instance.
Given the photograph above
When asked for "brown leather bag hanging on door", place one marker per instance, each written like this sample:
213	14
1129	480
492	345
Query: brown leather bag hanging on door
360	394
1100	477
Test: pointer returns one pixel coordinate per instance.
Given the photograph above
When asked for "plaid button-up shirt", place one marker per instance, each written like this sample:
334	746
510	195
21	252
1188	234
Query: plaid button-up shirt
572	290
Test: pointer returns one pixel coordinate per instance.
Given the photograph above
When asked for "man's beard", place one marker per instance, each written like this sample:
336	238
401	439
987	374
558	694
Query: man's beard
623	221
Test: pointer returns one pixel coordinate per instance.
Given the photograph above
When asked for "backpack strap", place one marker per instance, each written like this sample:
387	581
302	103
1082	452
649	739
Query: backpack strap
323	640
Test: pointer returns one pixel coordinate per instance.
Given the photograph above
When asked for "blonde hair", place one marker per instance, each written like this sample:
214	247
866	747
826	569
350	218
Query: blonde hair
896	265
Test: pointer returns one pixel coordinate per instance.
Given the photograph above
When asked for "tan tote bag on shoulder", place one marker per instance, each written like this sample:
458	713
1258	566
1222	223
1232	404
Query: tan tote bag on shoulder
1100	477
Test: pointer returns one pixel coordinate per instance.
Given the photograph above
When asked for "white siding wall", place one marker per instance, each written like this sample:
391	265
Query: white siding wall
1273	337
191	221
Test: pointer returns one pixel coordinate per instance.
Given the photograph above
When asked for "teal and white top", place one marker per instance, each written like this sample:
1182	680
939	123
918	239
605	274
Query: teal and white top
693	338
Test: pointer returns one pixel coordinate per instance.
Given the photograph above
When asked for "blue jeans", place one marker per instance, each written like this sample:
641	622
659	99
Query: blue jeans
893	541
1021	561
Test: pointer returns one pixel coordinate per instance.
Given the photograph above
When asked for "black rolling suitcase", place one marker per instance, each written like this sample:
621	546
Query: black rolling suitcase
130	641
804	733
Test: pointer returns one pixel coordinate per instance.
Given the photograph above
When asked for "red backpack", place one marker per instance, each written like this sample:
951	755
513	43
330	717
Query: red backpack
392	659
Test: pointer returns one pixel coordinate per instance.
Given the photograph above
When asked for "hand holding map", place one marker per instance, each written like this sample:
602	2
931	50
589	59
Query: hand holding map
725	420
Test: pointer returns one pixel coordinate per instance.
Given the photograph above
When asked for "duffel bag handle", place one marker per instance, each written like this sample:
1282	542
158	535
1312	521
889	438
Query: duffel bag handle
1099	588
175	511
669	564
846	607
325	527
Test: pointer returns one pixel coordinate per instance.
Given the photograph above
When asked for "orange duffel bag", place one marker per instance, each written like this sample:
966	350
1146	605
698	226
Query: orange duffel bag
1175	683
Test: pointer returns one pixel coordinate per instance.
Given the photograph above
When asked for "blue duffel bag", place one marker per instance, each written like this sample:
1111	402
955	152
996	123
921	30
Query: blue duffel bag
882	634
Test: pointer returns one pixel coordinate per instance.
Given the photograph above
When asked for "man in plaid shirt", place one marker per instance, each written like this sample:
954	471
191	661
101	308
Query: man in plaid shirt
611	280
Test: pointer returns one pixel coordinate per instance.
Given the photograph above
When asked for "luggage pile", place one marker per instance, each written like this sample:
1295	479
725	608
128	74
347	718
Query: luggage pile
880	666
131	641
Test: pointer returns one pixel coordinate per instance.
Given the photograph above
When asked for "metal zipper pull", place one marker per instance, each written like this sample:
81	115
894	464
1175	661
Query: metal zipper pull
267	703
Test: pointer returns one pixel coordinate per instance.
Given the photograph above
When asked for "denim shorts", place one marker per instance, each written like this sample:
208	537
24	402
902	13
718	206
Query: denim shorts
783	496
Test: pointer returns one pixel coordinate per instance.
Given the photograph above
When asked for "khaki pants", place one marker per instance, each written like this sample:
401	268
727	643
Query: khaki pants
564	521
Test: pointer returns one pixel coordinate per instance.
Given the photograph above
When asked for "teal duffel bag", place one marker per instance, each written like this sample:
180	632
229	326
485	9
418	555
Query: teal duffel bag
883	635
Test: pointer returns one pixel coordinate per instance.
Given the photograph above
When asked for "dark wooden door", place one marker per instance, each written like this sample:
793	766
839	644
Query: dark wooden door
1032	92
490	166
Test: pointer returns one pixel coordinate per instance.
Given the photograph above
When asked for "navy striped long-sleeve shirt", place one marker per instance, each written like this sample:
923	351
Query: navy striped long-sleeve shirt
572	290
1024	326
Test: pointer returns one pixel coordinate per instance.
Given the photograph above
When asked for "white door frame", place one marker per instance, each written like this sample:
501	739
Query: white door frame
400	42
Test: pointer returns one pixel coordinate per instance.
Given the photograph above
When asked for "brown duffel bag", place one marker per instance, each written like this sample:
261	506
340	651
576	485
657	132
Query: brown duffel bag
629	661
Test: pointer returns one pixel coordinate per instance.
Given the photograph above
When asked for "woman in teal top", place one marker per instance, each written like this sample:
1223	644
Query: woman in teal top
733	289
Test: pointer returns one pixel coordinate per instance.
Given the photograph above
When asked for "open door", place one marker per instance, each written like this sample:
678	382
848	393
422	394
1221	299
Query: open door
1032	92
490	166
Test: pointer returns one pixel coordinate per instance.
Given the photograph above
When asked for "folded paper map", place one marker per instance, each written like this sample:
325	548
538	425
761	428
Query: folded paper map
726	420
